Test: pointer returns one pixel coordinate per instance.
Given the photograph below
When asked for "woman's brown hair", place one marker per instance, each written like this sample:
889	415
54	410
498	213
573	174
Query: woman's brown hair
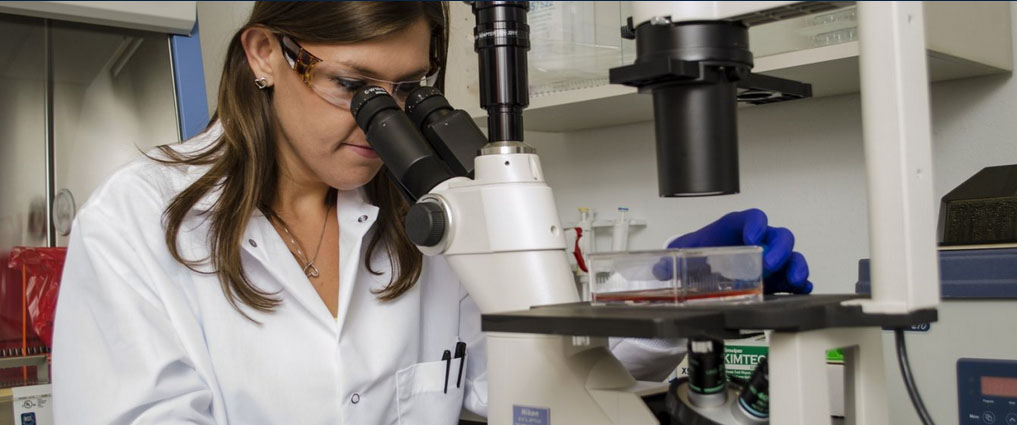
242	161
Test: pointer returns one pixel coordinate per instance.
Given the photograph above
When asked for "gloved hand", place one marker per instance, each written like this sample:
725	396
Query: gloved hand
783	269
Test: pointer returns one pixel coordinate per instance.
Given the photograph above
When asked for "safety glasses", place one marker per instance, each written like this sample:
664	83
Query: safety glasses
336	83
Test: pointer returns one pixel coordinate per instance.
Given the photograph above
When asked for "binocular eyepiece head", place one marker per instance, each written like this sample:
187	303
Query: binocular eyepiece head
401	146
423	105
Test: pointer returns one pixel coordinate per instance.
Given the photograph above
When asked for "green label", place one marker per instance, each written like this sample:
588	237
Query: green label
741	360
835	355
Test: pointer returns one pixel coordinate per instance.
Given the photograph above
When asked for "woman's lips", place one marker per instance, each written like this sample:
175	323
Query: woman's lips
363	151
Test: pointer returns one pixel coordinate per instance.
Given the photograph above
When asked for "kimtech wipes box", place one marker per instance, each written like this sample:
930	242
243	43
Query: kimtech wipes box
742	355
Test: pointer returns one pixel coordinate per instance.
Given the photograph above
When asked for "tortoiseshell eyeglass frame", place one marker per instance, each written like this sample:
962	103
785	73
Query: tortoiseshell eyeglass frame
304	62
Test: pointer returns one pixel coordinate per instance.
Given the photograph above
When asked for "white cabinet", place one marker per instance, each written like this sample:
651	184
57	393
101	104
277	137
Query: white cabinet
964	39
173	17
78	101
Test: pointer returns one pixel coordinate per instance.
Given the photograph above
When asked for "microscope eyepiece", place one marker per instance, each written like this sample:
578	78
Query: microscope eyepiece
452	133
400	145
425	105
368	102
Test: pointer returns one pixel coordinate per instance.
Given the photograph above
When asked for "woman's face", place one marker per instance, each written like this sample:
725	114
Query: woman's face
320	142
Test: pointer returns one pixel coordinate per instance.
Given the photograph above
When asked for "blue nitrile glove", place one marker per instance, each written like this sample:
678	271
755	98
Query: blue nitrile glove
783	269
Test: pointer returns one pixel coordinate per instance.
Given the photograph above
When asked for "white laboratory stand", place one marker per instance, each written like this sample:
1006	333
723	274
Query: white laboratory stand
898	157
897	135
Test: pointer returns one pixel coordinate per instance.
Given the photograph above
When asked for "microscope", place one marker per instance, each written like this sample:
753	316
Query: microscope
482	203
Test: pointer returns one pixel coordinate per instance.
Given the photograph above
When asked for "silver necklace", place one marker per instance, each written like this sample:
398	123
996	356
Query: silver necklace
309	269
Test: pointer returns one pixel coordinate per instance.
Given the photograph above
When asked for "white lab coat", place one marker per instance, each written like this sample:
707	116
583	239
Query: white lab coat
141	339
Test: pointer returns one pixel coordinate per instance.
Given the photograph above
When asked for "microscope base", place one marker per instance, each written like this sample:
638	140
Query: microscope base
590	385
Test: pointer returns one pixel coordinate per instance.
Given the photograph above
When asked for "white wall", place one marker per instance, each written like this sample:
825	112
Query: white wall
800	162
217	21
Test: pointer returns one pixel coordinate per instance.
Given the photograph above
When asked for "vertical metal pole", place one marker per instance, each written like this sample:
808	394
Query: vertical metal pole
188	83
173	77
898	157
50	151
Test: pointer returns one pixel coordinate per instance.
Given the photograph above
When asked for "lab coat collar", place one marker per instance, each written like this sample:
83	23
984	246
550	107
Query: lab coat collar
265	245
356	217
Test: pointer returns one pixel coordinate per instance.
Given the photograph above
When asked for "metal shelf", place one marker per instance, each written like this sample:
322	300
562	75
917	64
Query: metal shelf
832	70
964	40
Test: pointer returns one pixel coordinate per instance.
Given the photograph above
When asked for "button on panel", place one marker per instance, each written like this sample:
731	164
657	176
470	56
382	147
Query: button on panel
1011	419
988	417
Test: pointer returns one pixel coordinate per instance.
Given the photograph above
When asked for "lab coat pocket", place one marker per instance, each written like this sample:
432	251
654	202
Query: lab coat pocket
421	396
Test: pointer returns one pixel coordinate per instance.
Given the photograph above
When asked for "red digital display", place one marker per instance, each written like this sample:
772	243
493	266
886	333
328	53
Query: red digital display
999	387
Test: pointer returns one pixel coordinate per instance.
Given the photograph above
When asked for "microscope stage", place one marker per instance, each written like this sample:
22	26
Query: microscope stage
788	313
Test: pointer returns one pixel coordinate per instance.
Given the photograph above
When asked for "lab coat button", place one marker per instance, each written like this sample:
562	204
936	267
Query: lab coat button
252	242
362	219
355	399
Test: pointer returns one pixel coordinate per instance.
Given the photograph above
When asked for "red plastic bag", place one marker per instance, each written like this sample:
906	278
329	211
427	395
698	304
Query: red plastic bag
40	270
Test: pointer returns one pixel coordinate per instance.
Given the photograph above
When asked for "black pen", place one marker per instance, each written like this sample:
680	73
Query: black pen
447	358
460	354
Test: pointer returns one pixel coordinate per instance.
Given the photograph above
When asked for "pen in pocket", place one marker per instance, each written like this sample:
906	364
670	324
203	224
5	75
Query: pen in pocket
447	358
460	354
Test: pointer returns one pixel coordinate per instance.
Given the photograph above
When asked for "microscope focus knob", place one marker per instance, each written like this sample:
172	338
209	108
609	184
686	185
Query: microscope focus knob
425	223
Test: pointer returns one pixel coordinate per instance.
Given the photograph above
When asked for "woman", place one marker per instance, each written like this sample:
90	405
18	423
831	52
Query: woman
258	273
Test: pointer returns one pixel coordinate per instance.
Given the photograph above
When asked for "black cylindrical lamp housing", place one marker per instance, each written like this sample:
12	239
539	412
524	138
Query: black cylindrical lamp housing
696	118
502	38
697	140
